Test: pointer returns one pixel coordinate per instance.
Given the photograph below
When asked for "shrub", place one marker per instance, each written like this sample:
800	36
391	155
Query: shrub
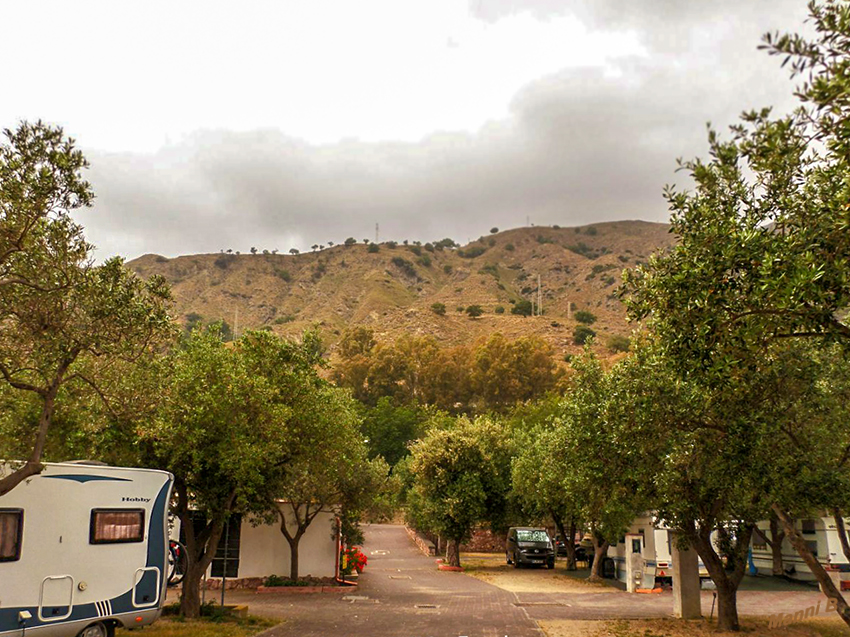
286	318
283	274
494	230
490	269
582	334
392	245
623	258
474	311
429	247
415	249
522	308
491	242
583	316
350	241
591	231
438	308
424	261
405	266
500	309
444	243
618	343
509	247
460	308
472	251
447	269
223	261
373	248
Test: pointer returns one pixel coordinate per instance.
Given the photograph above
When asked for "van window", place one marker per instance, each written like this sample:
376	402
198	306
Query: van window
11	534
113	526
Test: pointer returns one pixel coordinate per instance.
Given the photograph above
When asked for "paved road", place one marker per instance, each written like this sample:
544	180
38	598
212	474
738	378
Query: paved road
402	594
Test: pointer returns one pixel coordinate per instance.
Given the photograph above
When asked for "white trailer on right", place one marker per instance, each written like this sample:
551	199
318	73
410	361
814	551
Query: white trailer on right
821	536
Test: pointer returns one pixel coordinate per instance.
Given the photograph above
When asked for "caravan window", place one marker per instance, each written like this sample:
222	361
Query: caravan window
112	526
11	533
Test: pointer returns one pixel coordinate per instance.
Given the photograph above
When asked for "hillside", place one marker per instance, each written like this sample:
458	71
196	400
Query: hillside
392	290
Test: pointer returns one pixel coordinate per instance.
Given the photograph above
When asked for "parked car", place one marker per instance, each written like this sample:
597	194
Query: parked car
529	545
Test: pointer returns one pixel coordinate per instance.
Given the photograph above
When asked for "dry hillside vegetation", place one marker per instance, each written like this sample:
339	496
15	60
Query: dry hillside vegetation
392	290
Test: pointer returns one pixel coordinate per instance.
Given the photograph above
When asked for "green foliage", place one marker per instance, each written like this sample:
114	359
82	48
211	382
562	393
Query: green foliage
223	261
444	243
415	249
447	268
582	334
472	252
286	318
499	309
461	477
585	316
494	230
424	261
509	247
491	269
283	275
438	308
406	267
373	248
590	231
522	308
350	241
474	311
390	428
618	343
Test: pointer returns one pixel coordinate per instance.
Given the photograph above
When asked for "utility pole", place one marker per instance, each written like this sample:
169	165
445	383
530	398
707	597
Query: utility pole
539	298
376	233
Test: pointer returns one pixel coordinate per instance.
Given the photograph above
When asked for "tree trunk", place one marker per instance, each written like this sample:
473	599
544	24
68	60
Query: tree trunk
823	578
726	583
842	532
453	552
600	550
190	594
568	537
293	555
777	536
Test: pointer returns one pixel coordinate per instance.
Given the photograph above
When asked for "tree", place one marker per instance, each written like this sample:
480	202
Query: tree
522	307
438	308
389	428
350	242
253	250
373	248
461	479
494	230
213	399
582	334
586	317
474	311
763	247
294	251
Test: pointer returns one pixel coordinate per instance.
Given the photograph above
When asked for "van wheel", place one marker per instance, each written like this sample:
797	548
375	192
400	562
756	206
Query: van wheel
508	558
515	563
97	630
550	564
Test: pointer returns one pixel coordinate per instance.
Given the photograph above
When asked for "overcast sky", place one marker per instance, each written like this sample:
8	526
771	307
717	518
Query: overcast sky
214	125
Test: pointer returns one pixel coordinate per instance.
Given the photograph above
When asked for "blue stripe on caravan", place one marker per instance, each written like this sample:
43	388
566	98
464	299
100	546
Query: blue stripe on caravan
88	478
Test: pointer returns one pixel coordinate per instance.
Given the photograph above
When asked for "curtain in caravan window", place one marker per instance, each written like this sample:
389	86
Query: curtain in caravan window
111	526
10	534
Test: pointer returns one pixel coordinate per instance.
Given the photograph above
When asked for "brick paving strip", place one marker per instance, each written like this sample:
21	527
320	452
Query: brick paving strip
402	594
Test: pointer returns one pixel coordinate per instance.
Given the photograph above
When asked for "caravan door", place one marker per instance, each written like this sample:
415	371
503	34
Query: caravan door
56	598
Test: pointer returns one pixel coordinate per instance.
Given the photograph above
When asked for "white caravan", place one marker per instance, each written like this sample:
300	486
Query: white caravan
83	550
648	543
822	538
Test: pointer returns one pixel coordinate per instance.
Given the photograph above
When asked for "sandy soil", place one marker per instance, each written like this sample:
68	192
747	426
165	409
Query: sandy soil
822	627
493	570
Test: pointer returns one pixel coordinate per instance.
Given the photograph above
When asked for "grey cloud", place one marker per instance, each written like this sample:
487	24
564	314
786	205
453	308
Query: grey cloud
579	146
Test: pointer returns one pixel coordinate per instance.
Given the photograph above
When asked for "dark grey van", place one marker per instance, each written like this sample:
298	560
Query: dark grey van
529	545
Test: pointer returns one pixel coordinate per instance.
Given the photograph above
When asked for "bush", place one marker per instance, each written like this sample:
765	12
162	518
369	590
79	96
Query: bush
618	343
447	269
509	247
373	248
494	230
500	309
424	261
283	274
491	242
472	251
350	241
429	247
392	245
444	243
522	308
286	318
474	311
460	308
405	266
583	316
591	231
223	261
438	308
415	250
582	334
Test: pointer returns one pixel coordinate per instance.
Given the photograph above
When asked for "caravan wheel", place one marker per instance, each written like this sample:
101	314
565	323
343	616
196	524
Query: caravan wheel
97	630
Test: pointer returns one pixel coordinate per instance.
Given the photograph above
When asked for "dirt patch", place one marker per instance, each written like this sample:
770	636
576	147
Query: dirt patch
493	570
821	627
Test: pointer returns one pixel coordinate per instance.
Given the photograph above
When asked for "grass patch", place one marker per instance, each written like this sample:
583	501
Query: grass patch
214	623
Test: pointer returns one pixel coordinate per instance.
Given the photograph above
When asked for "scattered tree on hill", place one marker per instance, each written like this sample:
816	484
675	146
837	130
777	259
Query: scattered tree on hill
585	316
253	250
582	334
373	248
438	308
350	242
294	251
522	307
494	230
474	311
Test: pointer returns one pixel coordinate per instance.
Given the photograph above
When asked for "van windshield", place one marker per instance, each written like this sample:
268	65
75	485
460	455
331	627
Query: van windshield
532	536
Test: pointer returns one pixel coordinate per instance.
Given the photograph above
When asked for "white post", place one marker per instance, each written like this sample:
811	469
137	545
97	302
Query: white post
686	586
